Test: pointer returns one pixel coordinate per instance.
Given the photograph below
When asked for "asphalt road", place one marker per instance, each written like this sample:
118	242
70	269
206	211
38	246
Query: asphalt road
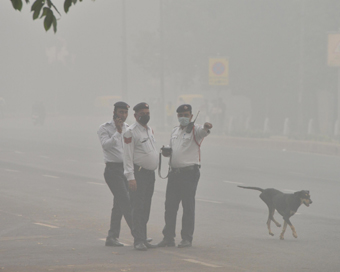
55	208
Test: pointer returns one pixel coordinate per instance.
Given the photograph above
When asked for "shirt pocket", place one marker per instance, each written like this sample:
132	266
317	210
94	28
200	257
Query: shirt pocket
146	144
173	139
186	139
153	138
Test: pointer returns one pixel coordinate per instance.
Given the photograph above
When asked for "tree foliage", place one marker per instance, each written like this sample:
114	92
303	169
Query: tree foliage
43	9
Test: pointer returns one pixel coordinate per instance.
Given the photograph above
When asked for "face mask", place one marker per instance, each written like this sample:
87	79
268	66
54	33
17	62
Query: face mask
184	121
144	119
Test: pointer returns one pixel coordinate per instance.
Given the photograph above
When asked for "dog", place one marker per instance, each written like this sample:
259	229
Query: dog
285	204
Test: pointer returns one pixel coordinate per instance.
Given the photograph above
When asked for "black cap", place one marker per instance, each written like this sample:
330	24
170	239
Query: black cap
141	106
121	105
184	107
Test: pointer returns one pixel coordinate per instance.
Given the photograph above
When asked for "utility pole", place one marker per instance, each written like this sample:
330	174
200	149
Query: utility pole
161	60
125	95
301	66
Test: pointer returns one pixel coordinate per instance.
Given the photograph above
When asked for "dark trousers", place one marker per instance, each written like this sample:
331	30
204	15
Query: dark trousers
141	202
181	187
115	179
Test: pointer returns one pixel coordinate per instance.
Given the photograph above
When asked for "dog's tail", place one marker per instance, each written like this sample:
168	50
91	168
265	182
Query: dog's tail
252	188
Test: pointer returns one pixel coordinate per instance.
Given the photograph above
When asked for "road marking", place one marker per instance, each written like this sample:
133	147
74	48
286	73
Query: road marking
96	183
11	170
23	238
49	176
104	239
46	225
11	213
202	263
44	157
232	182
209	201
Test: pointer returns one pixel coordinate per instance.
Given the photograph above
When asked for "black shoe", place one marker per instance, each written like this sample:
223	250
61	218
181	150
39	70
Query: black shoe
113	242
184	243
149	240
148	245
141	247
166	243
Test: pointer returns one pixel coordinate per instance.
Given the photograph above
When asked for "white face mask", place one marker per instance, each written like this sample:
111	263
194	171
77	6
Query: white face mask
184	121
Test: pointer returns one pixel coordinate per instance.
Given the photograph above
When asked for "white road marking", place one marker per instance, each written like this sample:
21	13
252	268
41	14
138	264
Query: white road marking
23	238
11	170
202	263
11	213
46	225
96	183
232	182
49	176
210	201
104	239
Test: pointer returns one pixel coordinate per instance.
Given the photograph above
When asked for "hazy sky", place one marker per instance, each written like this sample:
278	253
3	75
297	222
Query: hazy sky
84	54
261	38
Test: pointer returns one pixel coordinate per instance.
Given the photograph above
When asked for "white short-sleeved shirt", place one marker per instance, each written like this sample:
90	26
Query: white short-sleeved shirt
186	146
112	141
140	149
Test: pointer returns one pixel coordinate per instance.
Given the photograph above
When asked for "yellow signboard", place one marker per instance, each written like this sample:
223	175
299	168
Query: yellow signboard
218	71
334	50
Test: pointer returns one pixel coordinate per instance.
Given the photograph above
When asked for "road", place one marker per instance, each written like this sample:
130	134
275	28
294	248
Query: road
55	208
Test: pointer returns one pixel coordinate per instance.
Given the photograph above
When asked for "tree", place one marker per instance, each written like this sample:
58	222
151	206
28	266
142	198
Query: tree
45	8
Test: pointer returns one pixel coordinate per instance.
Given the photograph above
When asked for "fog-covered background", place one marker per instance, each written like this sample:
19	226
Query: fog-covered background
277	52
55	206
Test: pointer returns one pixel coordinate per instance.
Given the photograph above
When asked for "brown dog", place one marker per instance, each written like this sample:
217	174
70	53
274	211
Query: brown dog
285	204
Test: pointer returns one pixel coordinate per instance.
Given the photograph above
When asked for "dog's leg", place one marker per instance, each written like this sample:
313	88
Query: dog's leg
271	211
293	231
283	230
272	217
292	227
268	225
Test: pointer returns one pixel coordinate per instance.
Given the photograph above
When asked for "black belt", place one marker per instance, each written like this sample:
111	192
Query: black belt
141	169
114	164
184	169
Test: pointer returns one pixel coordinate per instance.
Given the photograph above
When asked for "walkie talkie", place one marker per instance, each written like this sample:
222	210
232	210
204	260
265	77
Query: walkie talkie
191	125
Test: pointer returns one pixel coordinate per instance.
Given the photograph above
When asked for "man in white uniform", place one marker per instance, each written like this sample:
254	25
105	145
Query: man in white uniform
140	163
111	138
183	178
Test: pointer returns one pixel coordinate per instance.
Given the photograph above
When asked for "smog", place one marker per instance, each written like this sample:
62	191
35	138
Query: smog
264	74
